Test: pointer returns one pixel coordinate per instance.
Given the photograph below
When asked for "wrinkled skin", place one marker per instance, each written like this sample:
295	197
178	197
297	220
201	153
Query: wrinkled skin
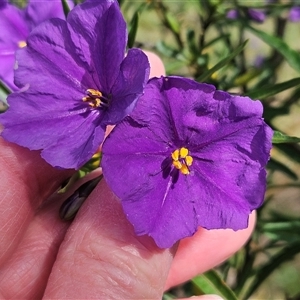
97	256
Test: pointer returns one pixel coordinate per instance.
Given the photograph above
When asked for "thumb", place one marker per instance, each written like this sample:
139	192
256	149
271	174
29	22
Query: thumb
102	258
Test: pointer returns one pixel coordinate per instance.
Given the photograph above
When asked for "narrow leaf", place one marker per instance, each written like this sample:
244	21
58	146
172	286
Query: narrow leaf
275	165
173	23
4	88
287	253
215	40
133	26
282	226
273	89
292	56
211	283
222	63
291	150
279	138
66	7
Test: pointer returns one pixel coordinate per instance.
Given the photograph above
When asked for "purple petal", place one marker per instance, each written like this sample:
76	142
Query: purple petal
13	26
294	14
37	12
50	60
129	85
14	30
99	32
178	117
51	115
150	110
68	138
6	70
3	3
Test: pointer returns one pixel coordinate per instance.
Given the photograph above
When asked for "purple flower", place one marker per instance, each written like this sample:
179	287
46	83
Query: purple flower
256	15
15	26
294	15
75	81
232	14
188	156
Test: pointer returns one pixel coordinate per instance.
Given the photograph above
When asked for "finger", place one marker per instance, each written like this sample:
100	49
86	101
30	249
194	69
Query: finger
204	297
157	67
25	274
120	264
205	250
25	180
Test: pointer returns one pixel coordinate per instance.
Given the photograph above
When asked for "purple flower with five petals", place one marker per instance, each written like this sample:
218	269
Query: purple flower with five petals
15	26
188	156
75	81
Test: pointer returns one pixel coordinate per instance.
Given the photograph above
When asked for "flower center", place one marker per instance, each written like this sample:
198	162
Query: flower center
95	99
22	44
181	160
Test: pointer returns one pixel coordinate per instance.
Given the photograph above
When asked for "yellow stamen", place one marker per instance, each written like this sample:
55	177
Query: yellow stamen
177	164
22	44
185	170
181	160
188	160
175	155
93	92
183	152
93	97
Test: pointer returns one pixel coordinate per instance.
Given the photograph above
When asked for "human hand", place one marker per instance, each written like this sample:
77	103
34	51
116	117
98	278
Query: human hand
97	256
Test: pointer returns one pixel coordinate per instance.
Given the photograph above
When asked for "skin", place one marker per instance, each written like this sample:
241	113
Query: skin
97	255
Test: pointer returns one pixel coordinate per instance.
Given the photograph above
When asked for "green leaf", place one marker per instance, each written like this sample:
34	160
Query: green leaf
291	150
273	89
272	112
191	42
281	236
211	283
4	88
165	49
279	138
133	26
287	253
172	22
4	91
292	56
282	226
277	216
66	7
206	75
275	165
168	296
215	40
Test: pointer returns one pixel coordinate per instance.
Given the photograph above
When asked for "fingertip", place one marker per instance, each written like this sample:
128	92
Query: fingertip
205	250
157	67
